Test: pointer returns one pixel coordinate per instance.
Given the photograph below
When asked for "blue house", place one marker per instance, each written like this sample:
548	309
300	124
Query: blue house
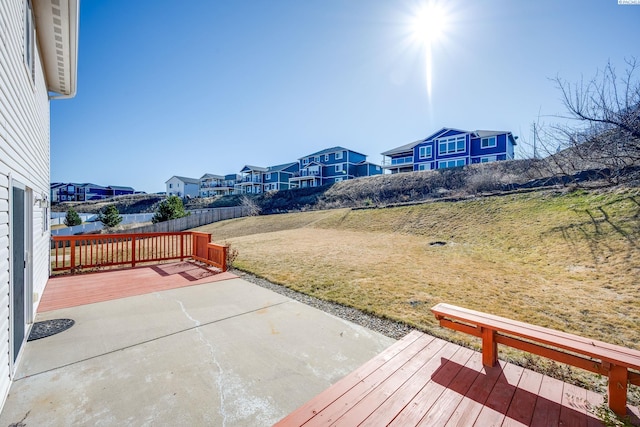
257	179
450	148
277	177
332	165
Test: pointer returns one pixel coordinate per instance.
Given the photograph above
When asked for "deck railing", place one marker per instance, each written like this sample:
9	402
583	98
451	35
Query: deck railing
76	253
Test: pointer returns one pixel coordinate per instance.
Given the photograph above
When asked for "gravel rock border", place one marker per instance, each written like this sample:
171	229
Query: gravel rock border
386	327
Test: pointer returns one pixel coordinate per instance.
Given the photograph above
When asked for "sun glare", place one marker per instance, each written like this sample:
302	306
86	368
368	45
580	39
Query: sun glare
429	23
429	27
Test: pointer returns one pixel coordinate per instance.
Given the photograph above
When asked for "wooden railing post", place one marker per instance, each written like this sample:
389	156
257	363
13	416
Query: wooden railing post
618	378
489	347
72	247
133	251
182	239
224	258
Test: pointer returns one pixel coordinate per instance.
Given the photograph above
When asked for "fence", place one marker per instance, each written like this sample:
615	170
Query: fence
74	253
194	220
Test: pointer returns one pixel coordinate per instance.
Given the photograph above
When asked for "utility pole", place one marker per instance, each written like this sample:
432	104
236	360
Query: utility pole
535	141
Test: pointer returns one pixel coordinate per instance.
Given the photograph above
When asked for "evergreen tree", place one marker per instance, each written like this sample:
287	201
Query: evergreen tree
170	208
110	216
72	218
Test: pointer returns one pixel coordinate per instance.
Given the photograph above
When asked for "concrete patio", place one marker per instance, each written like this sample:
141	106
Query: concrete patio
223	353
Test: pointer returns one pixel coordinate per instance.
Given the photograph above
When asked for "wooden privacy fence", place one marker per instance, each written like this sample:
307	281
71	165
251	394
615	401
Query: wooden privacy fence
196	219
75	253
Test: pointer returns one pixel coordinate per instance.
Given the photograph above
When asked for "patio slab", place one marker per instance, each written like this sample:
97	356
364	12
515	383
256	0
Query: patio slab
228	353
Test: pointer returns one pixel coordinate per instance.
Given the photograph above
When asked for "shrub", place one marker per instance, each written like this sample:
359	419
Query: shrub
170	208
72	218
110	216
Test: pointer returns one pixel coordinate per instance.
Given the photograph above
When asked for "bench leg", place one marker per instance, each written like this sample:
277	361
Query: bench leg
618	378
489	347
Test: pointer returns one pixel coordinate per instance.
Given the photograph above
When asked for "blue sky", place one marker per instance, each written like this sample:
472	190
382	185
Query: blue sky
191	87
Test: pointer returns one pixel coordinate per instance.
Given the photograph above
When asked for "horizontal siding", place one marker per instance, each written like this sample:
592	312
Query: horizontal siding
24	157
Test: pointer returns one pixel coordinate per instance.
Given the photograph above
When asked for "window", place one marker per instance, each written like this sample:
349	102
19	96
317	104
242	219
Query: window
488	159
424	166
451	163
267	176
29	36
489	142
339	167
451	145
305	161
425	152
316	159
326	157
170	185
338	155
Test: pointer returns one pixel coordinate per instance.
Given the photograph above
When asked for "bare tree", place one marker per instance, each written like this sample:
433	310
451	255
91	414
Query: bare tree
606	101
602	129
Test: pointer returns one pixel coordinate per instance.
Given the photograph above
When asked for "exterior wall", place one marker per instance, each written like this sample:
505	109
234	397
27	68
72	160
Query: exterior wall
191	190
177	187
499	152
368	169
24	160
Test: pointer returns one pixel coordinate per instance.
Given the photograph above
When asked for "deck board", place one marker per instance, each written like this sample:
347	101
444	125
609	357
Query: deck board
66	291
422	380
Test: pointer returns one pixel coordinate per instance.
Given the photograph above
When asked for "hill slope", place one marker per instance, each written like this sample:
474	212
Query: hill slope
565	260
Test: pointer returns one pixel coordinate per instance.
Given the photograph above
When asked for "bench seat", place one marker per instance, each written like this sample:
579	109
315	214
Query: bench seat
616	362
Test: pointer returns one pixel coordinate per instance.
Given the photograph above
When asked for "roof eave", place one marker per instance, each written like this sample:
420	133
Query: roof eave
58	24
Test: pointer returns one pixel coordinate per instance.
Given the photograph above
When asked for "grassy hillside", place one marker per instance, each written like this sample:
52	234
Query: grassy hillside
565	260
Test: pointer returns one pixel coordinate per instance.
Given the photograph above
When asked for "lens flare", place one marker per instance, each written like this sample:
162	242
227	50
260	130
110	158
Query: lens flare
428	27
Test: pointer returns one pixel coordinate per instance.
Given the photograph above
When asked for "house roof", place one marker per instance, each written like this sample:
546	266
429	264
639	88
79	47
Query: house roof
88	184
57	24
403	148
330	150
118	187
485	133
248	168
280	167
184	179
210	175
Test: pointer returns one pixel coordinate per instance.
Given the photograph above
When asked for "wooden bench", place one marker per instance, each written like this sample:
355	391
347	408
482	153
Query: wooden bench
596	356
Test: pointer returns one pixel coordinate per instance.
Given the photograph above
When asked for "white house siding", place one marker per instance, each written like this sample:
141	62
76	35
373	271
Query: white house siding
24	158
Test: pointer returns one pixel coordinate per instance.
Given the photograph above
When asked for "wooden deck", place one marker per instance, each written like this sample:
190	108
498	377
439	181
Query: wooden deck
422	380
79	289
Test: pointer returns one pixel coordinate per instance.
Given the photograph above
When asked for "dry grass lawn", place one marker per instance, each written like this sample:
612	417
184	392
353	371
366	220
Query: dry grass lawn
564	260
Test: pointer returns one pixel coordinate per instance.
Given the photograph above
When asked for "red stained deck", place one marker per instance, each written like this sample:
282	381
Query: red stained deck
422	380
74	290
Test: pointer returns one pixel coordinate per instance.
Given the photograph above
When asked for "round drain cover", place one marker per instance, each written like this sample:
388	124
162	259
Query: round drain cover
49	327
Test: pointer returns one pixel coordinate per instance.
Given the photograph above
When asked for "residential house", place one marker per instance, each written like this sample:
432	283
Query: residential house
39	42
449	148
54	191
209	183
117	190
257	179
72	192
277	177
229	183
88	191
183	187
250	180
332	165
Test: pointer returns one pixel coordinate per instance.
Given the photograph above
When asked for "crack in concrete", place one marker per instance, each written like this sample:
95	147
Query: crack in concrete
147	341
219	382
